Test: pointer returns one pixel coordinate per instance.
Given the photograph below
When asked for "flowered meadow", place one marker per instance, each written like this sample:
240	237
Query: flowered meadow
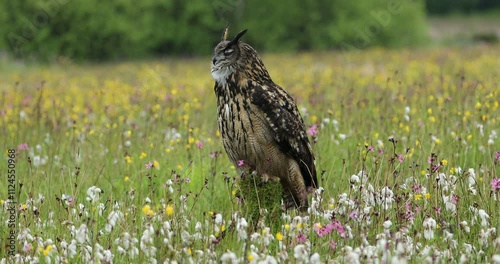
123	162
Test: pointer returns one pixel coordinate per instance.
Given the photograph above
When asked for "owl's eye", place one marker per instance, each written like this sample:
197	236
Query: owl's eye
228	52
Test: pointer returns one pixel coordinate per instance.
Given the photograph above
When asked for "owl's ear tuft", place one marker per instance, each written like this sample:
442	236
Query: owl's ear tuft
225	32
237	38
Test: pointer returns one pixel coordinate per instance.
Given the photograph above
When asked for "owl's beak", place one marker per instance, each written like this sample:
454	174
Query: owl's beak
214	60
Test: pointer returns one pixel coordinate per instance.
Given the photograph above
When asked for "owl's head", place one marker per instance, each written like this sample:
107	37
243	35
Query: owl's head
226	56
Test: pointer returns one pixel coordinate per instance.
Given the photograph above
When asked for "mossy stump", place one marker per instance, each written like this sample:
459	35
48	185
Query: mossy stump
262	199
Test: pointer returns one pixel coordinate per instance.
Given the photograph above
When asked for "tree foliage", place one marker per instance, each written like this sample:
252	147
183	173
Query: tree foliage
103	30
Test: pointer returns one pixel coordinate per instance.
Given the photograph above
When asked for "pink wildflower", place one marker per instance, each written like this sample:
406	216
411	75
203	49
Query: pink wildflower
150	165
336	225
199	144
354	215
23	146
497	156
301	238
438	210
313	130
27	247
333	244
371	149
213	154
241	163
409	214
417	188
400	158
495	184
434	167
323	231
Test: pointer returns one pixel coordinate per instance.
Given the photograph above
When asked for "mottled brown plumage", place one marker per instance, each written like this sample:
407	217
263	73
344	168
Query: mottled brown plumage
259	121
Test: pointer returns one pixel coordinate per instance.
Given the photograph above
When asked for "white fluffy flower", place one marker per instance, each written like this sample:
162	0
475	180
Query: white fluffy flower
147	241
429	225
449	205
484	217
386	197
82	234
387	224
93	194
241	229
465	226
351	255
315	258
354	179
127	245
113	218
301	253
218	219
229	257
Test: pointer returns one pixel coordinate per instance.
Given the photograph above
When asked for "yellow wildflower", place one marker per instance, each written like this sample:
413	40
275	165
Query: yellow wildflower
279	236
47	250
147	210
169	210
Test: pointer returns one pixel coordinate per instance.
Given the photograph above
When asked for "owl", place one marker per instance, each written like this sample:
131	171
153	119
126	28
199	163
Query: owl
261	128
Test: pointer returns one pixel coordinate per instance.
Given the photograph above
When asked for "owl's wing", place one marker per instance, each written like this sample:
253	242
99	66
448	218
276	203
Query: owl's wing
287	125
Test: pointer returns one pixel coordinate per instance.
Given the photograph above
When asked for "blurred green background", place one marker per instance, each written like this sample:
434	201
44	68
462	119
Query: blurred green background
94	30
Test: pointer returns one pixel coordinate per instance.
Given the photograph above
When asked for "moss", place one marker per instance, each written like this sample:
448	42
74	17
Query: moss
262	201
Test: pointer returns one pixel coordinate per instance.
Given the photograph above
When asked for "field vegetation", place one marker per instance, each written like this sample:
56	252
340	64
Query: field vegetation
122	162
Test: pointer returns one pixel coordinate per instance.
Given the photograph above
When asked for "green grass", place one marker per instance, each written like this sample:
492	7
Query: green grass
405	152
